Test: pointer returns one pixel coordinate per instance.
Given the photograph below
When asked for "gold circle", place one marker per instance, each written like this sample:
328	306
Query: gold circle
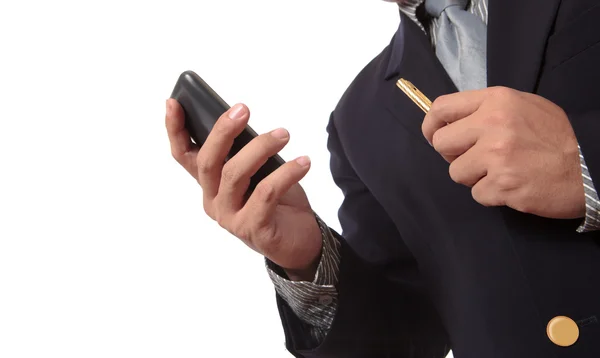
563	331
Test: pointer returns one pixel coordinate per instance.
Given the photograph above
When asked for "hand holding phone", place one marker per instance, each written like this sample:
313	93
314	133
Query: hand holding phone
272	215
203	107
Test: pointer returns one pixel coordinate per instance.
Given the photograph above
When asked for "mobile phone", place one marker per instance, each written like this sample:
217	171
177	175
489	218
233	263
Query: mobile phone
203	107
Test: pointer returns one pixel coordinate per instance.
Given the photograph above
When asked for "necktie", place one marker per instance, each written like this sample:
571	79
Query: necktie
460	42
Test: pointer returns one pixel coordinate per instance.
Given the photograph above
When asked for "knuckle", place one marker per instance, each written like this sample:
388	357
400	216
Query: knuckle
476	194
208	209
503	146
221	219
504	119
499	146
224	117
501	92
222	126
437	140
267	142
240	230
205	165
484	196
263	143
505	182
231	175
265	192
455	173
178	156
440	102
221	129
497	117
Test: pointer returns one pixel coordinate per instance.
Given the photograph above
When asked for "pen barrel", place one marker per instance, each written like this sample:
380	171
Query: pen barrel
414	94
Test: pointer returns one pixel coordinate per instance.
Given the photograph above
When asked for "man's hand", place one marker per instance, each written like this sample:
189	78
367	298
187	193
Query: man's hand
513	148
276	220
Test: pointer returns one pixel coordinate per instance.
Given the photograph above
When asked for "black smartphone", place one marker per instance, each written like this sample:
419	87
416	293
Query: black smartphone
203	107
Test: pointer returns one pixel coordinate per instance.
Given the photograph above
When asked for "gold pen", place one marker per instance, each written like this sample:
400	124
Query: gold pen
414	94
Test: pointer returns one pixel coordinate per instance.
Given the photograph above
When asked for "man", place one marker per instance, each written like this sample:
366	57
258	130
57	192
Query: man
473	229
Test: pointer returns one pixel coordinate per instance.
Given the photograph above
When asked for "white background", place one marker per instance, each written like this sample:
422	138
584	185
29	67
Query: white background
104	248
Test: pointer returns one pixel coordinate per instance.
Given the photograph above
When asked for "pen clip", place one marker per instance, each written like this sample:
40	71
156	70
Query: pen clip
414	94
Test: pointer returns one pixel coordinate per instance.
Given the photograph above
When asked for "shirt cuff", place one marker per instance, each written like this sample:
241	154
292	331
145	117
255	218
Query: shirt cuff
592	203
313	302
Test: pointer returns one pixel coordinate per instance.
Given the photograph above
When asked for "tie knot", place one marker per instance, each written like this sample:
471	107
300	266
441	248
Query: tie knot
436	7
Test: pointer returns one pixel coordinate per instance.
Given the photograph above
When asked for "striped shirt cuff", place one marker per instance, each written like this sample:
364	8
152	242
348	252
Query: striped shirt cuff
592	204
315	302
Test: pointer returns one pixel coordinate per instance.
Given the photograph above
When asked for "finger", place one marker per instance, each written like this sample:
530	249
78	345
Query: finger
217	145
469	168
235	178
456	138
486	194
182	148
449	109
261	205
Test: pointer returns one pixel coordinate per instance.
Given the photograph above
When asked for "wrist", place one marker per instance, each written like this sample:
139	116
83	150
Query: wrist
313	253
304	274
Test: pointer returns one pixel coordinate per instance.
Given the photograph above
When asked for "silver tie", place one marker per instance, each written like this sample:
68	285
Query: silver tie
460	42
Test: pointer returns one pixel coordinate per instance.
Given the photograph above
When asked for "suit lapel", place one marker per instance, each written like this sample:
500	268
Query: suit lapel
517	34
516	39
411	57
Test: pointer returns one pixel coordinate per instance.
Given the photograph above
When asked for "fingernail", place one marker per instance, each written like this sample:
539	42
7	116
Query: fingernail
280	133
237	112
303	161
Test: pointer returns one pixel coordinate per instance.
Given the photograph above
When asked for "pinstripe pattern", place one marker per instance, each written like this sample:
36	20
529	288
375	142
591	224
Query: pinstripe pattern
409	8
592	203
315	303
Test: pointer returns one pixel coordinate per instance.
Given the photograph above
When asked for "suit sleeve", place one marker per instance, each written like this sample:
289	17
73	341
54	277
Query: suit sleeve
375	317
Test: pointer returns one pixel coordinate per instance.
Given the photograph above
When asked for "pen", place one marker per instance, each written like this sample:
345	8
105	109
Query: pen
414	94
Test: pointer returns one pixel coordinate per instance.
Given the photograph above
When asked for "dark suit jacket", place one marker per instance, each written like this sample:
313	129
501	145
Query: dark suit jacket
425	268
